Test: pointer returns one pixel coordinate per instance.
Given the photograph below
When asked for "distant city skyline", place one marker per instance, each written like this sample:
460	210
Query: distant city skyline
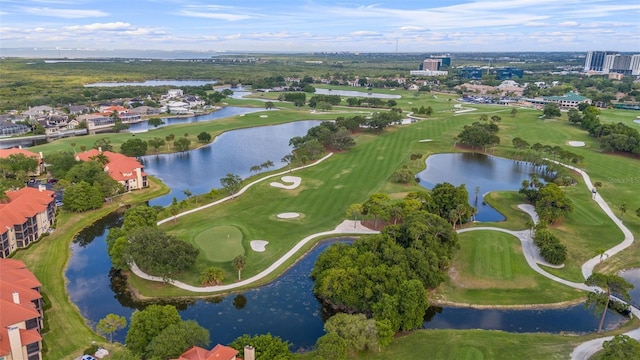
323	26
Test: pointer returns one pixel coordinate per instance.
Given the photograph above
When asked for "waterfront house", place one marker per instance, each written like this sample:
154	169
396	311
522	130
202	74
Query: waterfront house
123	169
219	352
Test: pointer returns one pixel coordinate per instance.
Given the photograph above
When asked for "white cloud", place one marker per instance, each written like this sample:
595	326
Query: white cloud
63	13
214	15
112	26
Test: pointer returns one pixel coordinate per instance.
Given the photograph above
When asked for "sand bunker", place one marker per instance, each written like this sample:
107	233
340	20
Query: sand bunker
264	116
288	215
576	143
258	245
294	180
426	140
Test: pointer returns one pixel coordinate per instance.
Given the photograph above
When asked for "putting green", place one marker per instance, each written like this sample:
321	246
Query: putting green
220	243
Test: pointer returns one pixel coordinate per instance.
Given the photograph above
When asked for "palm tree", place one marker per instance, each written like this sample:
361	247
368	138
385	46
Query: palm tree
268	105
288	159
239	262
212	276
601	252
267	164
461	209
530	226
514	111
607	285
101	158
255	168
187	193
623	209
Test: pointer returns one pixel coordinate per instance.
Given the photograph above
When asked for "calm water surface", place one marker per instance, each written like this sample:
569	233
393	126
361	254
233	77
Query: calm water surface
223	113
234	152
154	83
489	173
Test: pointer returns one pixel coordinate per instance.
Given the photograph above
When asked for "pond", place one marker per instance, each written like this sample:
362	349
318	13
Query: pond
223	113
633	276
485	172
235	152
350	93
175	83
285	307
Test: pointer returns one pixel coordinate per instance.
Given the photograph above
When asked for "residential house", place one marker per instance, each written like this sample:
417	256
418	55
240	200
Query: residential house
78	109
28	214
144	110
8	128
5	153
20	312
54	123
125	170
37	111
219	352
96	121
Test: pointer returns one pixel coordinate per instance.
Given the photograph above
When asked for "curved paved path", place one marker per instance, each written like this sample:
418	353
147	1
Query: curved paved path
531	253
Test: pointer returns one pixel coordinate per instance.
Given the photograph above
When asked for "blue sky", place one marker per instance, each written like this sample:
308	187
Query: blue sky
316	25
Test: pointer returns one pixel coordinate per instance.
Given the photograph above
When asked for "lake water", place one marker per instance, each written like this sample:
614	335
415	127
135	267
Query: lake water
285	307
223	113
489	173
175	83
234	152
350	93
633	276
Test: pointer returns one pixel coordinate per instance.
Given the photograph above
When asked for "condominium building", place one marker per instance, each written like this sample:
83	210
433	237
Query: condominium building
595	60
20	312
611	62
27	215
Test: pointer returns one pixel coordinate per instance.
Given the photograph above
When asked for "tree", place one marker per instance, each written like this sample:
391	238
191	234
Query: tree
204	137
268	105
182	144
514	111
156	143
359	332
412	303
187	193
212	276
621	347
134	148
551	110
139	216
239	262
354	210
288	159
255	168
231	183
415	157
147	324
331	347
59	163
552	204
623	209
155	122
104	144
266	347
110	324
607	284
176	338
267	164
82	196
159	253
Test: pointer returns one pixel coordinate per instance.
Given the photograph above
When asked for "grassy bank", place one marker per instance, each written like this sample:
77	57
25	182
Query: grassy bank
68	331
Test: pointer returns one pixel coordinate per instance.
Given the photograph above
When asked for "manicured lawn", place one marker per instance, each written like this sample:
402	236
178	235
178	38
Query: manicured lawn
48	258
475	344
490	269
219	244
506	202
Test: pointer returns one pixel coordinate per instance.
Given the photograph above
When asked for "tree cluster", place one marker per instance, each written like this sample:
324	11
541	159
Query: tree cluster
15	170
480	135
612	137
329	99
326	135
86	184
266	347
386	274
139	240
158	332
371	102
551	249
422	110
351	333
550	201
294	97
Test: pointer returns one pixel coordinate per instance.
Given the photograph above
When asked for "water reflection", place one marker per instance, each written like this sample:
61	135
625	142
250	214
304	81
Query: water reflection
488	173
235	152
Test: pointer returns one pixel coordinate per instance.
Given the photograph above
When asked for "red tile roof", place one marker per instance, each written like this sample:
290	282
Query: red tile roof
119	167
16	272
219	352
26	336
23	204
5	153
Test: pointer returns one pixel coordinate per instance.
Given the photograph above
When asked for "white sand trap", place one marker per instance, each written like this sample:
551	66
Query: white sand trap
264	116
258	245
294	180
636	121
288	215
426	140
576	143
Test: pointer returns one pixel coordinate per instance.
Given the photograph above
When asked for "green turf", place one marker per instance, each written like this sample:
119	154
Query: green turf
220	243
490	269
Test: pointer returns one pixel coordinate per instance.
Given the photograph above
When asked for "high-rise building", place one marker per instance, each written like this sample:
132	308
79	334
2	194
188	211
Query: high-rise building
595	60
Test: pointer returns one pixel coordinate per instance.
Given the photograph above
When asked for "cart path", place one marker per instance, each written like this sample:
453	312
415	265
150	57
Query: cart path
349	227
